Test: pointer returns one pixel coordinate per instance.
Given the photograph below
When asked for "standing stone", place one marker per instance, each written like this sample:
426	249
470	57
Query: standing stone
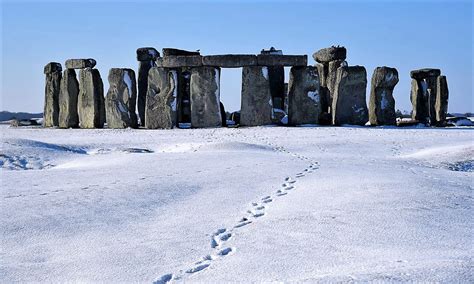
121	99
205	97
331	77
442	96
431	83
91	108
146	57
256	104
349	105
382	103
304	99
51	94
68	116
419	101
330	54
161	101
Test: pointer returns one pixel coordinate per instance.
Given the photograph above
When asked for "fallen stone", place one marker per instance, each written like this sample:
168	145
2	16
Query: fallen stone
282	60
52	67
68	96
121	99
143	68
304	99
161	99
80	63
349	105
147	54
332	53
230	60
442	96
424	73
205	97
382	103
51	95
181	61
420	101
91	107
176	52
256	102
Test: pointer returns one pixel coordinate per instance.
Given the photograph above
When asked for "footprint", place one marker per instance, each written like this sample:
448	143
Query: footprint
267	197
281	193
267	200
241	224
225	251
289	188
198	268
164	279
225	237
219	231
260	207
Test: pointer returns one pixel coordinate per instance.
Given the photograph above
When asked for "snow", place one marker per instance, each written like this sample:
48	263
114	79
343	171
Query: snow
128	81
260	204
314	95
174	103
265	72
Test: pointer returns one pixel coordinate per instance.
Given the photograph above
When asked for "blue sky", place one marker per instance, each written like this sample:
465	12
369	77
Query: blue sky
404	35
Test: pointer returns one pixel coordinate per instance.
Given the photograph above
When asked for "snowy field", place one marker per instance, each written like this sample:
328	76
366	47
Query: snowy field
261	204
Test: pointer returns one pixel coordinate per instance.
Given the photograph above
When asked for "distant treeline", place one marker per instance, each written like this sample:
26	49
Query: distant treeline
6	115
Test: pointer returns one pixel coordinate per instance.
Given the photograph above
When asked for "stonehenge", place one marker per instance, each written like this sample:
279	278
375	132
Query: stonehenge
52	71
304	99
382	103
348	104
429	96
91	108
68	96
181	89
121	99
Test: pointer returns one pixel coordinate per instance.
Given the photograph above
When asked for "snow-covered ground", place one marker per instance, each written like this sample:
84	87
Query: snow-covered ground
300	204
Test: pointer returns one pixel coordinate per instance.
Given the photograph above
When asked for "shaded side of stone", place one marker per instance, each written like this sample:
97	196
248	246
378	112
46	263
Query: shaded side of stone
68	96
442	97
304	99
424	73
161	99
51	99
382	103
205	97
176	52
349	105
282	60
143	68
230	60
147	54
331	79
256	102
420	101
52	67
121	99
91	107
431	84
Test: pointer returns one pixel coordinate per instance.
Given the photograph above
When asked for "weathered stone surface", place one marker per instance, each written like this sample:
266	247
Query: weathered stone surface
80	63
176	52
330	54
91	107
256	102
442	96
323	73
420	101
323	69
51	98
121	99
282	60
331	79
181	61
431	86
205	97
143	68
68	96
52	67
272	50
349	105
230	60
147	54
304	100
424	73
382	103
161	98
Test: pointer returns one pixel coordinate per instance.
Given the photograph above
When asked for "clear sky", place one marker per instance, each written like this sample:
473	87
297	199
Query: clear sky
404	35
